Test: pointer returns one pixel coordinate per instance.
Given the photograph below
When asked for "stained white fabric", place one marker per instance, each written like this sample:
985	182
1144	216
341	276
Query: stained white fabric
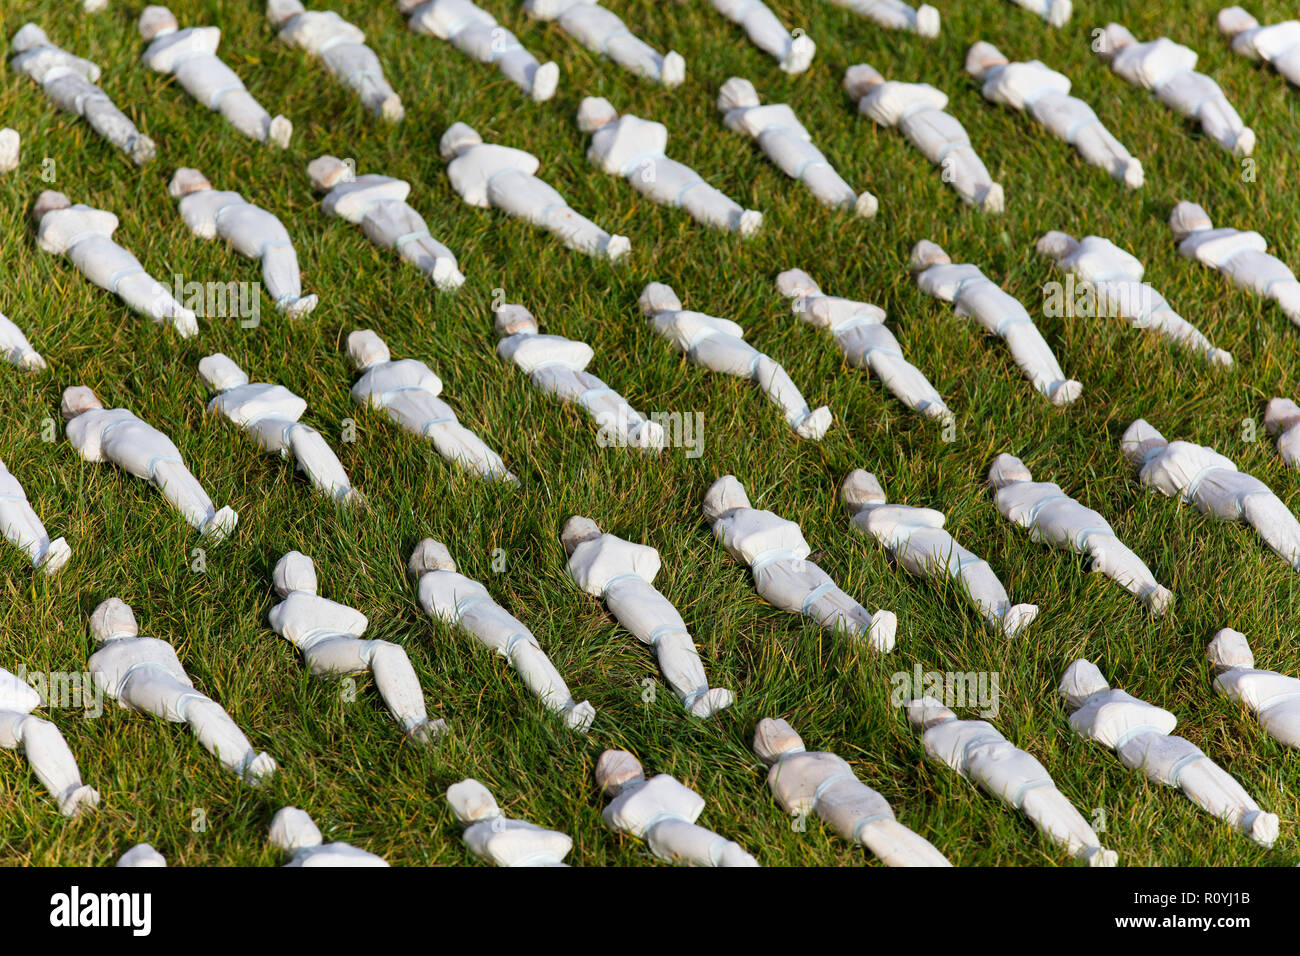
918	541
22	528
69	83
1142	735
1282	420
16	350
462	602
1054	518
329	636
1277	44
896	15
407	390
974	295
144	674
603	32
1274	698
719	345
858	328
142	854
1055	12
825	784
1200	476
475	32
10	148
793	51
293	831
501	840
776	553
41	743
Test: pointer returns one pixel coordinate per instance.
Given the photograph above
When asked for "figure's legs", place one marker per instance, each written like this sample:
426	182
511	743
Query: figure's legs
284	280
462	447
318	462
50	759
356	67
828	186
777	386
1214	790
1275	524
676	841
540	676
432	257
1096	145
498	45
895	845
149	297
1116	560
580	233
1032	353
1222	124
977	578
112	124
907	383
179	486
635	55
247	115
801	587
1282	721
20	525
711	207
395	678
1055	816
965	172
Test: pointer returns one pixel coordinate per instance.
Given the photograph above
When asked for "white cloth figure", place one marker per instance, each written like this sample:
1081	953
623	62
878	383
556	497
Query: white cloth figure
491	835
190	55
142	855
823	783
501	177
622	574
917	540
69	83
1044	94
858	328
557	365
43	745
1274	697
661	811
917	109
144	674
23	529
329	636
341	47
94	6
116	435
1114	278
462	602
10	147
250	230
719	345
476	33
984	757
1200	476
1054	518
780	135
776	553
1277	44
1281	418
270	414
1055	12
378	205
85	235
604	32
973	295
407	390
1168	69
1240	256
896	15
633	148
793	51
293	831
1141	734
16	350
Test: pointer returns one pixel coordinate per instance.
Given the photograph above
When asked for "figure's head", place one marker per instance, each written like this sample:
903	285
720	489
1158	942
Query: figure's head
280	12
1229	648
156	21
1280	415
113	620
924	712
186	181
220	373
48	201
513	319
1008	469
982	57
366	349
471	802
725	494
1057	245
429	555
774	738
657	297
29	37
795	284
459	136
293	830
1082	679
926	254
326	172
1114	38
294	572
615	770
1139	441
860	80
78	399
861	489
1187	218
737	93
577	530
1234	20
595	112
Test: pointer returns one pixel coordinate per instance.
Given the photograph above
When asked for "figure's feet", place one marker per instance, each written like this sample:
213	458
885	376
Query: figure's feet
866	206
994	199
617	247
1245	144
78	799
1132	175
650	437
1262	827
1102	857
301	306
927	21
579	717
1058	14
1159	600
142	150
446	276
1017	618
429	733
711	701
56	556
392	109
259	769
673	71
800	55
545	80
751	220
1063	393
1220	359
814	425
279	132
220	526
883	632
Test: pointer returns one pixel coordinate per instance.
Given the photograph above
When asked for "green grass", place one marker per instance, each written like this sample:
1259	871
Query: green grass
345	762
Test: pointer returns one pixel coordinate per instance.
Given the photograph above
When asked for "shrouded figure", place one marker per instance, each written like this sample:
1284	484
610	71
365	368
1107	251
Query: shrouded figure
378	205
462	602
1044	94
407	390
776	553
500	177
1141	734
21	526
270	415
491	835
1054	518
251	231
1114	278
476	33
10	147
973	295
341	47
293	831
144	674
603	32
69	83
622	574
1277	44
916	538
1281	419
917	109
16	350
823	783
1168	69
786	142
896	15
793	51
116	435
633	148
719	345
1055	12
190	55
40	741
1200	476
1274	697
661	811
858	328
981	755
329	636
1242	257
557	366
85	235
142	855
